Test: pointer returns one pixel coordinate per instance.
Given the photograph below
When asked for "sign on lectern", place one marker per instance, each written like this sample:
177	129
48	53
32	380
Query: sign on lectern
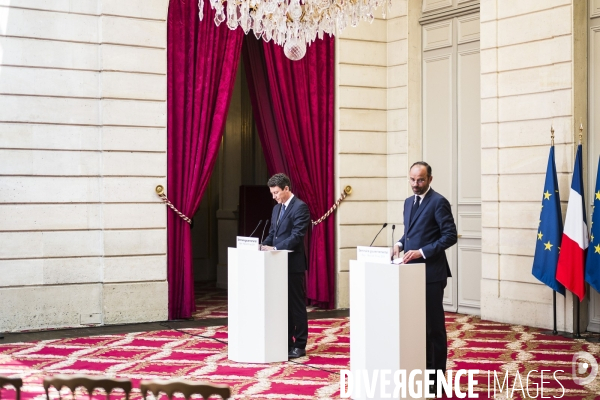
247	243
374	254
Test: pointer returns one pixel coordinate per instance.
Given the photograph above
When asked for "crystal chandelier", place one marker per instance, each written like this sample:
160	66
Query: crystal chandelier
293	23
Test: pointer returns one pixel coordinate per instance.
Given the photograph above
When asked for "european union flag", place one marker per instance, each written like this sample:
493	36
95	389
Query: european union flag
592	265
550	231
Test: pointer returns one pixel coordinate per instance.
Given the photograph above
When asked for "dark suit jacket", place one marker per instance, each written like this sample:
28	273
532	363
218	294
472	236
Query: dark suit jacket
289	233
432	230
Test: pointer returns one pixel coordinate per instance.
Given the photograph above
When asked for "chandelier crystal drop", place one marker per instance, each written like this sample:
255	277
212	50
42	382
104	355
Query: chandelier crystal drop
293	24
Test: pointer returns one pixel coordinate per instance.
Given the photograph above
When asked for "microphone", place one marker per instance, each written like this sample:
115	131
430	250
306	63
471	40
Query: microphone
384	225
263	233
393	227
259	222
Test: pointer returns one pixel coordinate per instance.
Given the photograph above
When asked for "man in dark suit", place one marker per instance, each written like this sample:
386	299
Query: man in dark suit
289	223
429	230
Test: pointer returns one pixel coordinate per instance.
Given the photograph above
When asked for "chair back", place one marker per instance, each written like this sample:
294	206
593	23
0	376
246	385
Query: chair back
16	382
187	388
88	382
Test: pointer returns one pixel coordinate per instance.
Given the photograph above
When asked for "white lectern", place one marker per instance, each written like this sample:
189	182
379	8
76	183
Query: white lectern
387	318
257	301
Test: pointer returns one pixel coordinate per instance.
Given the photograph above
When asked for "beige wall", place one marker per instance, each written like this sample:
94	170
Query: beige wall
527	85
82	144
397	117
370	134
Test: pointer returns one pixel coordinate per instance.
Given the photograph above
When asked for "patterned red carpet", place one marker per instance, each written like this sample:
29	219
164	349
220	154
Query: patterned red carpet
474	344
211	302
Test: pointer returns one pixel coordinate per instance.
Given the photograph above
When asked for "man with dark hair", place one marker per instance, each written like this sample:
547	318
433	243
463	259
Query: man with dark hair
423	164
429	230
289	223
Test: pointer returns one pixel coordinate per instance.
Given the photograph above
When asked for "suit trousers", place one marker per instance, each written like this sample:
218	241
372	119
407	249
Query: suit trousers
435	327
297	317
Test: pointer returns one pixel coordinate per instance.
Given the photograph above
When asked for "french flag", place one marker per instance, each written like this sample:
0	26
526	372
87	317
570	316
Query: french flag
570	270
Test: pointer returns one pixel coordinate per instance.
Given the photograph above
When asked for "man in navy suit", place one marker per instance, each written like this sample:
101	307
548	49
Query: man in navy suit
289	223
429	230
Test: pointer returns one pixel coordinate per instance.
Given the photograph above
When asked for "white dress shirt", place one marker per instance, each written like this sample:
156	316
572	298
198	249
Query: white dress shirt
422	196
286	204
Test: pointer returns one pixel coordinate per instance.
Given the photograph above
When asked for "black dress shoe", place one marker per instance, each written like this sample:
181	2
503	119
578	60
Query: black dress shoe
296	353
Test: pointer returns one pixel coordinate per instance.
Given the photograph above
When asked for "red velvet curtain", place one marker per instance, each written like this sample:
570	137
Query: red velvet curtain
293	105
202	63
261	99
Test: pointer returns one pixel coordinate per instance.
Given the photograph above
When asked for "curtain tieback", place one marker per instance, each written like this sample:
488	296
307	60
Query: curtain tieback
345	193
160	191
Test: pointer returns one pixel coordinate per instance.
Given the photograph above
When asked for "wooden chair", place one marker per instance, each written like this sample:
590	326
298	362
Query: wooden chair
88	382
16	382
187	388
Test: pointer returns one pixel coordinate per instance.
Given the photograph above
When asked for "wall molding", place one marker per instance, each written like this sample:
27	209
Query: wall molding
463	35
594	8
431	43
430	5
442	15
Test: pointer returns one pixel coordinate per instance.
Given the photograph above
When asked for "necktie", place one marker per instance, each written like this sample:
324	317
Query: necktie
281	211
415	207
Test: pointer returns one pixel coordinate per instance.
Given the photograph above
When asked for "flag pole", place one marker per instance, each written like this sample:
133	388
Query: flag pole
577	332
554	331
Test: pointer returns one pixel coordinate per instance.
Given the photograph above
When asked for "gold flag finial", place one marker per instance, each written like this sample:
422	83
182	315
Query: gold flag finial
552	134
580	132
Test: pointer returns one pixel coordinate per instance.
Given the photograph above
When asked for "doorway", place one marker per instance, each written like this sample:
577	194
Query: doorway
240	164
452	144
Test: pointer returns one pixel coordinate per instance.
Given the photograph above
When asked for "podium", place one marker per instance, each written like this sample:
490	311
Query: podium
387	318
257	301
